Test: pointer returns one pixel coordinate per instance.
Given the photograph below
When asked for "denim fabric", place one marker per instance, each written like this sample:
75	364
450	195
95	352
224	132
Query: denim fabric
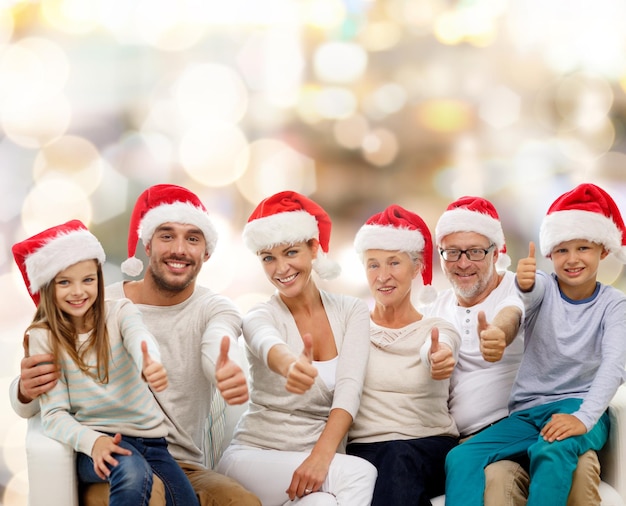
410	471
131	480
551	464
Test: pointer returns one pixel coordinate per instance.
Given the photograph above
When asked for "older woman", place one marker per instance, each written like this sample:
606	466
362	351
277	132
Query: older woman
403	426
308	351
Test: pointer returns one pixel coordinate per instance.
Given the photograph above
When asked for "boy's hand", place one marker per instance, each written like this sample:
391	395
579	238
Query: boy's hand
153	372
102	454
231	380
562	426
441	360
492	339
526	270
301	373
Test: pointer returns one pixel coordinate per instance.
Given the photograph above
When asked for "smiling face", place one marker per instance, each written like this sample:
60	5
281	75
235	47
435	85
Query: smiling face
472	281
76	291
289	266
576	267
390	275
176	253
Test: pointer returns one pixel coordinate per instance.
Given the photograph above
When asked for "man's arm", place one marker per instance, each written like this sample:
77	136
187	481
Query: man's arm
38	375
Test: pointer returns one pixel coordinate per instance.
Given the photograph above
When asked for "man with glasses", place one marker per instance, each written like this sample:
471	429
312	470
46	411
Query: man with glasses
484	305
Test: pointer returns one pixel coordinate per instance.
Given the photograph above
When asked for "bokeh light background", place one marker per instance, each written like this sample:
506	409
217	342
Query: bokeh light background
357	103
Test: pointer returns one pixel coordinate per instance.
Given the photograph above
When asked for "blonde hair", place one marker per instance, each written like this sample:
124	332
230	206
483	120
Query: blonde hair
64	337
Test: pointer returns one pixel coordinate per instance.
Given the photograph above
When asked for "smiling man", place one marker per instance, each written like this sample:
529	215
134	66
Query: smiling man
194	327
484	305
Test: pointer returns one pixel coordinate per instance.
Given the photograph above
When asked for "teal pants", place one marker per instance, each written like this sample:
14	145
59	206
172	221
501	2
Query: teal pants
551	464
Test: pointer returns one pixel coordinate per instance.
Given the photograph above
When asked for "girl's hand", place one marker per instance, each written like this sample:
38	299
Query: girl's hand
102	454
308	477
562	426
153	372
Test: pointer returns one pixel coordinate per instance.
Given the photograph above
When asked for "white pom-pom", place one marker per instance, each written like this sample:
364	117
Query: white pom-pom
132	266
325	267
427	294
503	262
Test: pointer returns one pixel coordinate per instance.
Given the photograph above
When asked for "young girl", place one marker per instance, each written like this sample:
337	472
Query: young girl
101	405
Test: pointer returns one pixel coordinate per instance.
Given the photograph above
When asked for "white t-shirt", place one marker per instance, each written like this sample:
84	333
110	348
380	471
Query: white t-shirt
479	390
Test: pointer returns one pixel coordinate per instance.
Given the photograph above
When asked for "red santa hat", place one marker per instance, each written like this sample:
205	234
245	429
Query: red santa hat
474	214
41	257
287	218
586	212
165	203
396	229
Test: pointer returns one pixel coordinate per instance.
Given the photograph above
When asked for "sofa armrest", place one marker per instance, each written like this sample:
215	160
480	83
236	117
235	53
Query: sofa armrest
613	455
51	468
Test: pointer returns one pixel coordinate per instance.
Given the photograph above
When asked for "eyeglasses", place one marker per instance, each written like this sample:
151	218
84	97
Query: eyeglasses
473	254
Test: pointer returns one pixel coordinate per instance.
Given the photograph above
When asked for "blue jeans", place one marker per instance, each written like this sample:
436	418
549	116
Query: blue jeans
410	471
551	464
131	480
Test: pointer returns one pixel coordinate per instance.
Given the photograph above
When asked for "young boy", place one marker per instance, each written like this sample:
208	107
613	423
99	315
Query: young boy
574	357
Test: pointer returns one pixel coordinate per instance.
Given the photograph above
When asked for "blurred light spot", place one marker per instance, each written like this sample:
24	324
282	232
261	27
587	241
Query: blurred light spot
334	103
272	62
609	270
36	123
584	101
109	198
52	202
208	153
385	100
70	16
586	147
416	14
500	107
16	493
167	25
535	162
16	182
349	132
219	271
339	62
323	13
144	157
274	166
210	92
72	158
6	26
380	36
473	23
444	116
380	147
32	69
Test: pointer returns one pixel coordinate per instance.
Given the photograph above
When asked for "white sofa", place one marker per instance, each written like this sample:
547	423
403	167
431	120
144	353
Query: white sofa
52	480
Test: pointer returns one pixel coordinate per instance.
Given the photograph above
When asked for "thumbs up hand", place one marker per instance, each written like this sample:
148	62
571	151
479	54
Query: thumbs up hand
153	372
231	380
441	360
301	373
492	339
526	270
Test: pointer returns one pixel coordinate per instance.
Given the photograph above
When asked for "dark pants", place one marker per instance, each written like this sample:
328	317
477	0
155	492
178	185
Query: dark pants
131	480
410	471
